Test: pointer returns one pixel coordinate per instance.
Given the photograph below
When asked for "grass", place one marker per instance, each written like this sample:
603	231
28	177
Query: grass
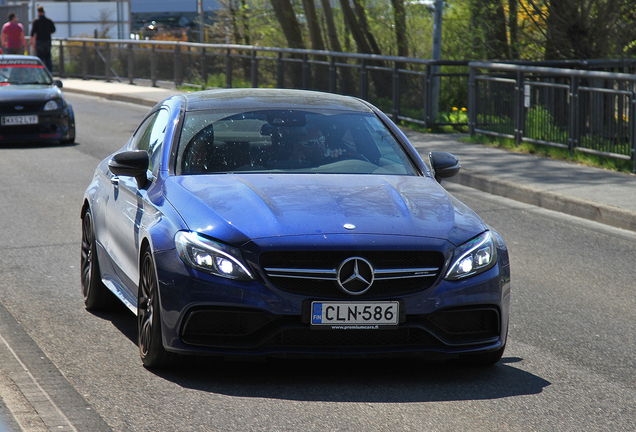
578	157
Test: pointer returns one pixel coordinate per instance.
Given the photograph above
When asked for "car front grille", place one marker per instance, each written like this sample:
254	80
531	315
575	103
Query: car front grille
249	330
315	273
16	108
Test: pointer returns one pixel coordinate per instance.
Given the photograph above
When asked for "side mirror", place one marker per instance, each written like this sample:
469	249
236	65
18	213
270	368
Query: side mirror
132	164
443	165
58	83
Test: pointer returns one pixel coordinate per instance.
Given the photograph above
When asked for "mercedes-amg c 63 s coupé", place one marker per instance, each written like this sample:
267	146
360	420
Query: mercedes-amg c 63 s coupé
288	223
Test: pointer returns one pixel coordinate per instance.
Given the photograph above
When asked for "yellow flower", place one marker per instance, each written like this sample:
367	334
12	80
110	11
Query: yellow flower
454	108
430	130
463	109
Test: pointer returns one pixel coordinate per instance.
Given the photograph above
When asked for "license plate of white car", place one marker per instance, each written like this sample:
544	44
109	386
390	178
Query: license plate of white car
361	315
19	120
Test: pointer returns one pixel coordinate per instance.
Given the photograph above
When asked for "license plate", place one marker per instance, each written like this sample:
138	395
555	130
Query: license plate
19	120
354	315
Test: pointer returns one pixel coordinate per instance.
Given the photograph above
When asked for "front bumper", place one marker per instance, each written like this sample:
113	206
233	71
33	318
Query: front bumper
204	314
51	127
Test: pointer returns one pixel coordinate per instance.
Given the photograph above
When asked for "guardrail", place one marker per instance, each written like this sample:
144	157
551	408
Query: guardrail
588	111
400	86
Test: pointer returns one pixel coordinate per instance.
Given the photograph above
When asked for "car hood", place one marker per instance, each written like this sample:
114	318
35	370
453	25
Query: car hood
29	92
237	208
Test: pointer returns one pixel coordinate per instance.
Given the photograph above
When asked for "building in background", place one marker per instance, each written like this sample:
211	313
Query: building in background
113	19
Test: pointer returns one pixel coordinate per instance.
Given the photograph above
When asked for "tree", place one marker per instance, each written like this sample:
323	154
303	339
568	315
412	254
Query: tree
314	27
289	23
399	13
489	21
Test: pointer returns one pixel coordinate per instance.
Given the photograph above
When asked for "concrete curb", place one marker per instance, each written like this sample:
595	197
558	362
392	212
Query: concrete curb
602	213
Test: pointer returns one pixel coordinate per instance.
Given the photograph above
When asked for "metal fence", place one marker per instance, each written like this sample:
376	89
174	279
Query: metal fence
400	86
585	111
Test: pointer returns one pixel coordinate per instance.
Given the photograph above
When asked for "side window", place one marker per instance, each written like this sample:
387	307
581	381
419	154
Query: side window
141	138
150	137
157	136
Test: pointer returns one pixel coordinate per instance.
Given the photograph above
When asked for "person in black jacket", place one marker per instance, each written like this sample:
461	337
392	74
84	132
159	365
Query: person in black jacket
41	30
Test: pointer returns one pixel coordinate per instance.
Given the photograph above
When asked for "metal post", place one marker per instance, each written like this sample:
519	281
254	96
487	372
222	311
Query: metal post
632	125
364	83
107	63
62	71
254	70
204	70
574	134
228	69
396	92
84	60
153	65
332	74
436	55
131	63
280	74
472	99
429	120
177	65
519	115
305	71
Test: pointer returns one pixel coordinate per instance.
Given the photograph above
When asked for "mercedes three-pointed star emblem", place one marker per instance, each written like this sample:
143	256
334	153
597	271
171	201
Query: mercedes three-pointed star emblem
355	275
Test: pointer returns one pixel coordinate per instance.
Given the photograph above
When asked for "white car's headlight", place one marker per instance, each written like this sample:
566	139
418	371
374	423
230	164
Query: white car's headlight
51	105
212	257
473	257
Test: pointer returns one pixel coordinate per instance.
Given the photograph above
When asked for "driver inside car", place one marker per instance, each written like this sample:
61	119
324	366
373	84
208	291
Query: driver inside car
311	147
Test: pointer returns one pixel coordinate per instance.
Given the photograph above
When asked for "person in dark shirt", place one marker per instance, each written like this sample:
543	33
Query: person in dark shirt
41	31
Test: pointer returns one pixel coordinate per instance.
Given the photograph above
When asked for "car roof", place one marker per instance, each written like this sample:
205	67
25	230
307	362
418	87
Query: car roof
11	59
260	98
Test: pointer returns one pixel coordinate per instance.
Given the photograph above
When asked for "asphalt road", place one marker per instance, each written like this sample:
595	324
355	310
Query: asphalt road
569	365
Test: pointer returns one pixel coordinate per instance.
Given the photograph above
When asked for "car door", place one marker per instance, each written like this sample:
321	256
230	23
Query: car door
128	207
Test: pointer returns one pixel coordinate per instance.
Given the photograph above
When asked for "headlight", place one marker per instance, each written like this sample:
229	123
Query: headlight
52	105
473	257
212	257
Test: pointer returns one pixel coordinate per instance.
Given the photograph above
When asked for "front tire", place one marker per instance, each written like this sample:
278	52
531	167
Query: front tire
96	295
149	336
70	136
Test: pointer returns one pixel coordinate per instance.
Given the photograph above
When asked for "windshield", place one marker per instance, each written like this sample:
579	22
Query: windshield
24	74
289	141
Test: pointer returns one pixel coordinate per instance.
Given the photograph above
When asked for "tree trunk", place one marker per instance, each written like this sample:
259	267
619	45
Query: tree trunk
362	20
513	27
314	26
400	28
332	33
316	44
286	16
490	20
345	73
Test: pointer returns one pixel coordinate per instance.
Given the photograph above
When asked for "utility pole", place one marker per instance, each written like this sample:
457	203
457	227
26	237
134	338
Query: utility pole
436	55
200	13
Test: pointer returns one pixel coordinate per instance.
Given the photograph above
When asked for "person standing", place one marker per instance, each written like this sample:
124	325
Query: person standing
41	30
12	38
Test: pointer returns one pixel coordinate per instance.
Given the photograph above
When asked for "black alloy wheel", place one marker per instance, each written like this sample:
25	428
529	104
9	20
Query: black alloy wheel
96	295
151	350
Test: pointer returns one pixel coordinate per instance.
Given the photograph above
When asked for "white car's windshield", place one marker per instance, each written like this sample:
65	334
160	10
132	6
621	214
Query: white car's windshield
289	141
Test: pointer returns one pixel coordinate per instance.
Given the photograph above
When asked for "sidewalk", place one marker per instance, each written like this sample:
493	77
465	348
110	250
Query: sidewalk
591	193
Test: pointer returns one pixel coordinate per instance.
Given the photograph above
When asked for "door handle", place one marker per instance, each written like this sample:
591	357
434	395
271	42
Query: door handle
114	180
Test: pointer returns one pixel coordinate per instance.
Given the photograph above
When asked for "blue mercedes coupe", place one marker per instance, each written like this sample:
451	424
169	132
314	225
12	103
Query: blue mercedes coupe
285	223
